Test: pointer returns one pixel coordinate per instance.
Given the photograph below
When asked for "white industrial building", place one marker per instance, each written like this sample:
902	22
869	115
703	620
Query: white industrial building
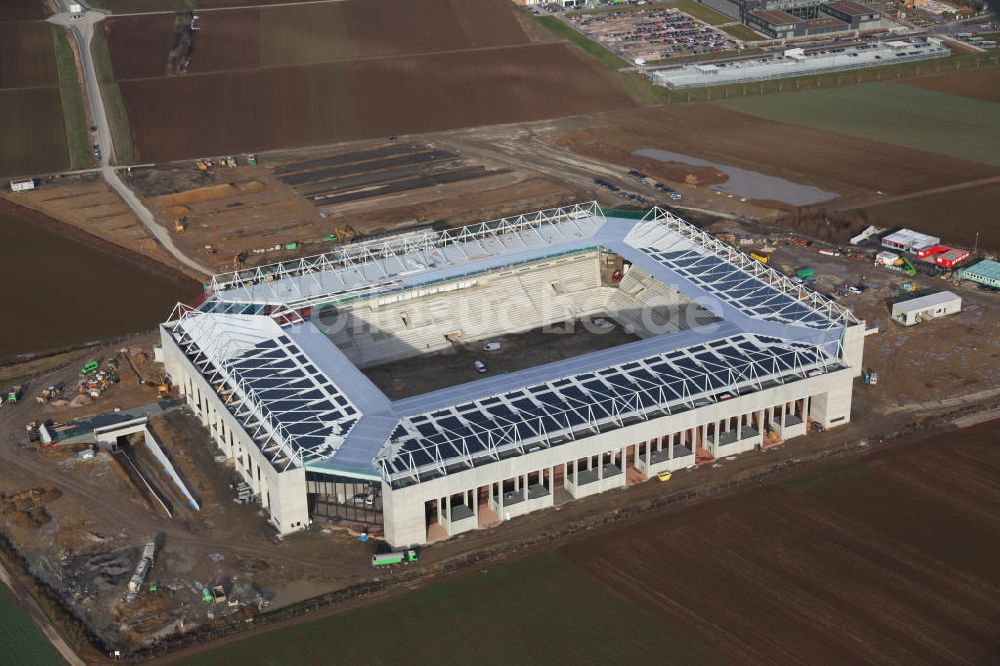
799	62
928	307
267	364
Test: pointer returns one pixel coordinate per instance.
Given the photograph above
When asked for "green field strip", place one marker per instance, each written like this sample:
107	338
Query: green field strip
635	85
21	642
742	32
932	121
700	11
539	610
114	102
71	95
595	49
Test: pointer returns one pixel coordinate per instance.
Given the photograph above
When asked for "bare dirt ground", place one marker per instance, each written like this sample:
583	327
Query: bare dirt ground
859	563
849	165
86	202
984	85
295	197
430	372
85	538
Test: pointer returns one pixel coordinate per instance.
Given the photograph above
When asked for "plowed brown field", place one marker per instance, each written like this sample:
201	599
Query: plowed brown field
23	10
983	84
139	45
26	57
185	116
32	133
889	560
833	161
308	34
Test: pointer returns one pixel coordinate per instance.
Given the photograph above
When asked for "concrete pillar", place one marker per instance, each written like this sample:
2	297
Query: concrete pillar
500	495
475	503
576	463
447	508
600	467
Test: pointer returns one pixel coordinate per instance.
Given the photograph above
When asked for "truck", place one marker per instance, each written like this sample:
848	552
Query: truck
395	557
14	393
805	274
89	367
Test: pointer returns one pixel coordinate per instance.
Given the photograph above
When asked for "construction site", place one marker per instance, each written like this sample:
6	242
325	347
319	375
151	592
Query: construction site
84	497
378	356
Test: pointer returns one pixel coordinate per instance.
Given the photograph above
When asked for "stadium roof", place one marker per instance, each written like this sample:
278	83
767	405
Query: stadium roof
307	405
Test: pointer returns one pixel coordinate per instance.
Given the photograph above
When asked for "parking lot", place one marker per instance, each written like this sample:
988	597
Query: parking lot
654	33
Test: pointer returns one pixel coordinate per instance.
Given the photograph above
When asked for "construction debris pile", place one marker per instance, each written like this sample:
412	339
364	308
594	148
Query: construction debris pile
27	508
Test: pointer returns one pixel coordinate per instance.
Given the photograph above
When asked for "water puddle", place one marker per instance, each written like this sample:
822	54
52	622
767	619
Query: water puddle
746	183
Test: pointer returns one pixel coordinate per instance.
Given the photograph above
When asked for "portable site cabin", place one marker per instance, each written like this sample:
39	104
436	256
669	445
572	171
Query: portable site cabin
886	258
22	185
931	306
986	272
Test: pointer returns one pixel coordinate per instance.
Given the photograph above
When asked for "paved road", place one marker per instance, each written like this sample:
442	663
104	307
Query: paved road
82	30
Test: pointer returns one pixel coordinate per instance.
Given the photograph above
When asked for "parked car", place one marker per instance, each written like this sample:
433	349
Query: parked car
480	367
492	346
601	322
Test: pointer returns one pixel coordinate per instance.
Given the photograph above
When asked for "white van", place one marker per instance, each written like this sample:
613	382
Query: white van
492	346
480	367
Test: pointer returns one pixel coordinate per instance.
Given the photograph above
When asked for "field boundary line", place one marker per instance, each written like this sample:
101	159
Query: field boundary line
321	63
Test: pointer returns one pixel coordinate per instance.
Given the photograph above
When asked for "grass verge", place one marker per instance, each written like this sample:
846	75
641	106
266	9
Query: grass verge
114	103
821	479
743	33
635	85
71	96
539	610
700	11
567	32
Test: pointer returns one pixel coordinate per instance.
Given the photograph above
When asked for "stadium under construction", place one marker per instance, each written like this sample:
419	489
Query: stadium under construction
728	355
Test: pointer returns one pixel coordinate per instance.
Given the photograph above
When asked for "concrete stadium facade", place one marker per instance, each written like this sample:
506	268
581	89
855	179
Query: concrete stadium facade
314	437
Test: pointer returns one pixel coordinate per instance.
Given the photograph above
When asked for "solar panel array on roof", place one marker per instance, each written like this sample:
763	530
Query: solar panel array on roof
284	401
592	401
725	280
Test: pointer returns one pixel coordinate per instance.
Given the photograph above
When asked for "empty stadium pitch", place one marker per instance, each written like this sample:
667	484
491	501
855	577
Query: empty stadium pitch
361	384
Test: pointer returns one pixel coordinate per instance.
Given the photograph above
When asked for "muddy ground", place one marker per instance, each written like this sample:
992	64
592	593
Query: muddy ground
74	288
422	374
886	559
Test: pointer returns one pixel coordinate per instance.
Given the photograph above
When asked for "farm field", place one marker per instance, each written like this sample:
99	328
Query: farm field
849	164
32	133
955	215
23	10
888	558
129	6
893	113
283	107
307	34
26	55
537	610
21	642
856	563
983	84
